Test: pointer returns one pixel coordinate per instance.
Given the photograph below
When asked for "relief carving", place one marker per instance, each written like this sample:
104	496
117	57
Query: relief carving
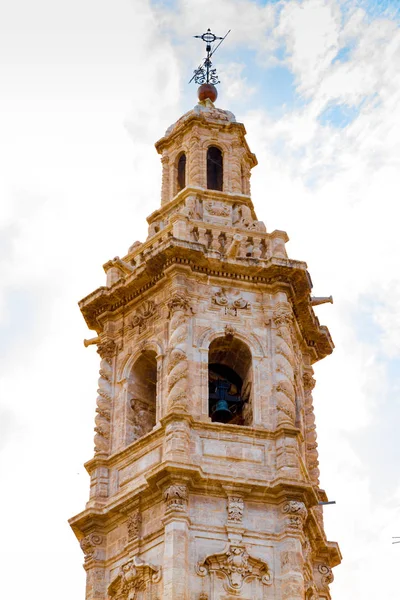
217	209
236	567
107	349
103	409
133	577
231	301
242	218
133	524
193	208
144	312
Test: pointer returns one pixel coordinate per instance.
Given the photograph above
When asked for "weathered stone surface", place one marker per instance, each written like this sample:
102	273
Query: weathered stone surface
183	506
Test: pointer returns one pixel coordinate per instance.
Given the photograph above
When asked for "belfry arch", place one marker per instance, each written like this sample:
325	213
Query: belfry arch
230	381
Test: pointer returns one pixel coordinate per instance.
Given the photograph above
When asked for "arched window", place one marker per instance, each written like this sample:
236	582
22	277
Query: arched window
230	377
181	172
215	170
142	393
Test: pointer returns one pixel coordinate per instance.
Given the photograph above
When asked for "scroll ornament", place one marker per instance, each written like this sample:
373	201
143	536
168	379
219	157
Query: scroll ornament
296	512
236	567
231	301
88	545
327	575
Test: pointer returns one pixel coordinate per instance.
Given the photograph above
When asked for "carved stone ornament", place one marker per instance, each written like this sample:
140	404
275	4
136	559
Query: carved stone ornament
107	349
327	575
229	331
175	497
218	209
179	301
236	567
144	312
88	545
231	301
134	576
133	523
235	509
283	315
296	512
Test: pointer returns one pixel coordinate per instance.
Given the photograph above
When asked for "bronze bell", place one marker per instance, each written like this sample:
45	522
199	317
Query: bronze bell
222	413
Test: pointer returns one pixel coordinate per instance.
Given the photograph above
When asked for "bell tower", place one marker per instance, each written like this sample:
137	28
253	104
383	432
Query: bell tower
205	480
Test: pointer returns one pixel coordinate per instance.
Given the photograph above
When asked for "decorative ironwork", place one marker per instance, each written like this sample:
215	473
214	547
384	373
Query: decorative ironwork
205	73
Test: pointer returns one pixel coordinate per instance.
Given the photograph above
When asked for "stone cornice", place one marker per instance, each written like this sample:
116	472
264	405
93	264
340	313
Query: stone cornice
106	301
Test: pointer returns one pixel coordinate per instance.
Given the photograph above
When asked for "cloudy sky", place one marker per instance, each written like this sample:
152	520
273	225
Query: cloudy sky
86	88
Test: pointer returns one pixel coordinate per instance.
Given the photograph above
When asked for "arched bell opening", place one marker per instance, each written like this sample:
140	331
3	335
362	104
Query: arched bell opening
230	377
215	169
142	396
181	172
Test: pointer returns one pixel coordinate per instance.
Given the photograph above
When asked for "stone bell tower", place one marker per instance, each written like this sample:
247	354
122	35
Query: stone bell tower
204	480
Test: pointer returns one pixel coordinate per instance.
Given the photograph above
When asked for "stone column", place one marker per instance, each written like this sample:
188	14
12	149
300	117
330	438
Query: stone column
177	379
284	365
292	559
166	178
194	171
310	429
235	168
93	547
176	542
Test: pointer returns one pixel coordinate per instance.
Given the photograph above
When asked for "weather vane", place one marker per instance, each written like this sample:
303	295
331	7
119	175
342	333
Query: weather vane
205	74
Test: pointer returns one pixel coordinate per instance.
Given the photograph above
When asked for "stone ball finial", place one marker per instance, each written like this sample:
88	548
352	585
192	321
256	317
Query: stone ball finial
207	90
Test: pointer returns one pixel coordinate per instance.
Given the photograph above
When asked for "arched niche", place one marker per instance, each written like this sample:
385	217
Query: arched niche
142	396
181	172
215	169
230	381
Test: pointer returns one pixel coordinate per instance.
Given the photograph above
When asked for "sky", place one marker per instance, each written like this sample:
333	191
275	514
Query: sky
86	88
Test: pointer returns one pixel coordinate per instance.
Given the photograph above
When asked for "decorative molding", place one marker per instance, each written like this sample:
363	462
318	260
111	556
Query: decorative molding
236	567
134	522
103	409
235	509
134	576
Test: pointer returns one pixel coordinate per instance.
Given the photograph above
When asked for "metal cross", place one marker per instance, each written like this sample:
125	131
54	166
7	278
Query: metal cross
205	73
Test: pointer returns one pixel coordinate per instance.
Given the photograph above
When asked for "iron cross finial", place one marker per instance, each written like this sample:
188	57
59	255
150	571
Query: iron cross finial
205	73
